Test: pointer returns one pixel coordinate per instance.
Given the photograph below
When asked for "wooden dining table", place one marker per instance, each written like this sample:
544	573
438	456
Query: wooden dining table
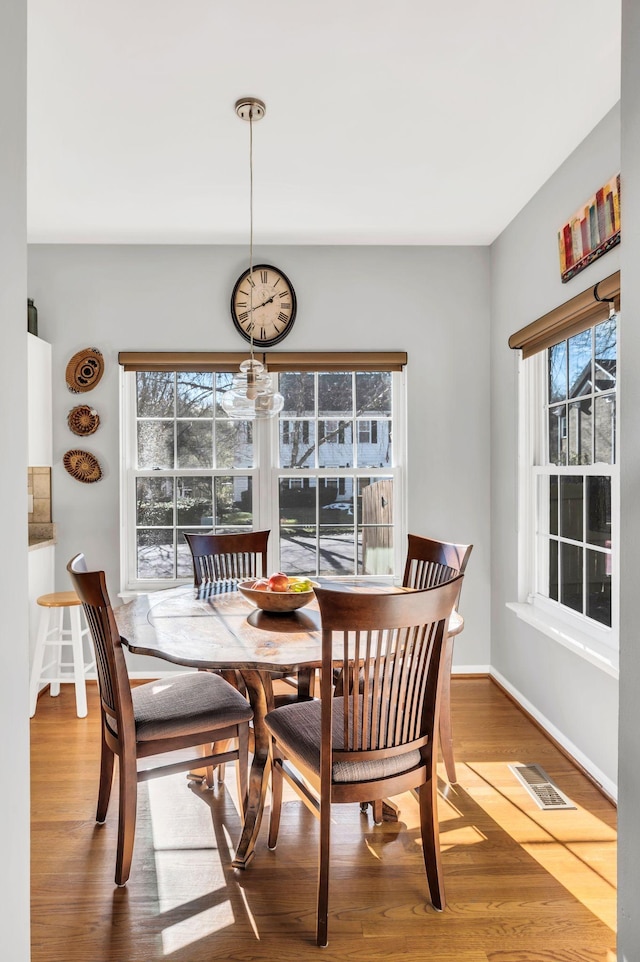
218	628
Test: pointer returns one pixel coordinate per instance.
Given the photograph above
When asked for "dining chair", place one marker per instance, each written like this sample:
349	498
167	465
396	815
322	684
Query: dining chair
232	557
378	737
223	558
431	562
180	711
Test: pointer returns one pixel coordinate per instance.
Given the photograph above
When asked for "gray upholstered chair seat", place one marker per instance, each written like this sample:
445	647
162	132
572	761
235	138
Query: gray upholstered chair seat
185	703
297	729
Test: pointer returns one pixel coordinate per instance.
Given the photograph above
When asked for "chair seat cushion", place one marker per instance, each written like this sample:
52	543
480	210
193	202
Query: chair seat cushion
186	703
297	729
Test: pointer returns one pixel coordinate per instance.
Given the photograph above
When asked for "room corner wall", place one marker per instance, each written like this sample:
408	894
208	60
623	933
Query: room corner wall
629	747
525	283
14	649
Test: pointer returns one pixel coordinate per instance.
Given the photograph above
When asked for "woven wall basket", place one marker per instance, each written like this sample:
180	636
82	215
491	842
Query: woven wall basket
82	466
83	420
84	370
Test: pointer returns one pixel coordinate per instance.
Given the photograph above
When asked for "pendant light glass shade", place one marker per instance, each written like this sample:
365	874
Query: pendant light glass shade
252	395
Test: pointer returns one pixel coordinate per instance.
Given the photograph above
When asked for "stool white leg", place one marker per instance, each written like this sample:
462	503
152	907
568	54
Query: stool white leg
58	618
38	659
78	661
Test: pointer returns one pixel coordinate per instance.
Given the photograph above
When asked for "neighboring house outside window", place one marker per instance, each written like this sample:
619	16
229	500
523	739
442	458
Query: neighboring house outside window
329	503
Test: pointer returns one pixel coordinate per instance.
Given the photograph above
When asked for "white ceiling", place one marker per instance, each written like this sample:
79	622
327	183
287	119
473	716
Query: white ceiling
403	122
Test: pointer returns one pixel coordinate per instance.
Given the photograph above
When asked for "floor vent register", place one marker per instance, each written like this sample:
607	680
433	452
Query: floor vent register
536	781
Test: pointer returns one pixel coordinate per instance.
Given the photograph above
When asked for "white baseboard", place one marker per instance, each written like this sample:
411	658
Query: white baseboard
471	670
599	777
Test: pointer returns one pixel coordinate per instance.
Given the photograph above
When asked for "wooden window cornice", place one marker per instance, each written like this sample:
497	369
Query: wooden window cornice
276	361
572	317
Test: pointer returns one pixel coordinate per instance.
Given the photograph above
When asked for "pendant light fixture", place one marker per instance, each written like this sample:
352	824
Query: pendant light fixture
251	394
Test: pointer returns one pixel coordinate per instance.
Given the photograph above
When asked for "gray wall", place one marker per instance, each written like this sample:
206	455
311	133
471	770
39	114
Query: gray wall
14	646
525	283
629	768
431	302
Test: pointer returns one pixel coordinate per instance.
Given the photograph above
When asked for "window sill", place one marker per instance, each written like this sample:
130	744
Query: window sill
580	643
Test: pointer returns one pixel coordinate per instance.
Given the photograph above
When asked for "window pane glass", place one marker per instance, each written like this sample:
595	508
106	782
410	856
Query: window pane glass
155	394
201	466
184	566
297	444
374	444
553	570
557	372
234	444
571	502
599	511
553	504
375	500
298	549
335	444
376	516
194	501
599	587
298	391
195	444
155	553
571	576
606	354
580	432
233	501
336	550
335	394
558	434
223	383
571	507
155	444
297	501
580	375
376	557
373	393
605	429
340	509
154	501
194	397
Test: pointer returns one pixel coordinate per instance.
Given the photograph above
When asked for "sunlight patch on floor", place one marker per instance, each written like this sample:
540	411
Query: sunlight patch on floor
574	846
193	849
200	925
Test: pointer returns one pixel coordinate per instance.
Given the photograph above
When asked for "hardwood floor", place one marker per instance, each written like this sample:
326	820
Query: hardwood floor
522	885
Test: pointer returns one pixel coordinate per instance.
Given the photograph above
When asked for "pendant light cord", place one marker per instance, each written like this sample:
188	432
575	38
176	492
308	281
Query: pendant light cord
251	229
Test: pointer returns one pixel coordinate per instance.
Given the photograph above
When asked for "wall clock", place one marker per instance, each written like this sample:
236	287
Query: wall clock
274	305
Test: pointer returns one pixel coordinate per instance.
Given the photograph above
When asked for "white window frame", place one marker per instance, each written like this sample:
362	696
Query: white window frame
265	481
592	641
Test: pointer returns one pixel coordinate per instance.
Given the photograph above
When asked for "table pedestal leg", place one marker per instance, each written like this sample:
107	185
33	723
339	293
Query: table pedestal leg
260	691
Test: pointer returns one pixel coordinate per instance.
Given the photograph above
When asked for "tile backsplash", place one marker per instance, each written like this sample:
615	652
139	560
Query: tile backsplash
39	489
42	530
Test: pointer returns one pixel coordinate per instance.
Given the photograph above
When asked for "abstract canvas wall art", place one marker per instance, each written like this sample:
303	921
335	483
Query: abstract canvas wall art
592	231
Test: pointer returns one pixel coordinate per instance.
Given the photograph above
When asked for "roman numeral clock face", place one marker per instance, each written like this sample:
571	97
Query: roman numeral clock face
263	303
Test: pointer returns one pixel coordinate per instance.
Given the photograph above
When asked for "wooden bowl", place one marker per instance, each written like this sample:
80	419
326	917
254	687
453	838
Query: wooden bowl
278	602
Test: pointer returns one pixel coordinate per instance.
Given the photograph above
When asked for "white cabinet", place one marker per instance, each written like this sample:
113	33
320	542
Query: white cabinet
41	582
40	448
39	401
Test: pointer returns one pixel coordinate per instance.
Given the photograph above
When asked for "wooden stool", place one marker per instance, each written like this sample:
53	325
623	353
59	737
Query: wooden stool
53	634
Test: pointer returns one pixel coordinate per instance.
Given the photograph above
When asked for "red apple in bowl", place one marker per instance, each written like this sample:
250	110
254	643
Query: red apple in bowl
278	582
